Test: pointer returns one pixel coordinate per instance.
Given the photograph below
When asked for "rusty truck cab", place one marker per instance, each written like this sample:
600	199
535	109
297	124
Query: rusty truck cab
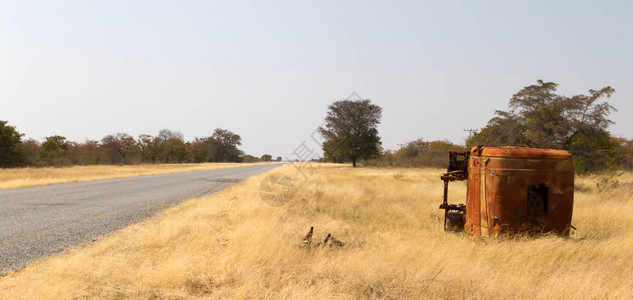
510	190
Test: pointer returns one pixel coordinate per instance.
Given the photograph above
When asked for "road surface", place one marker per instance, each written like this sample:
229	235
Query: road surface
36	222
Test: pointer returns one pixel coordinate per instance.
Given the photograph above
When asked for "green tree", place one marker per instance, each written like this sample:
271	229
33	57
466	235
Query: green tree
350	131
53	151
540	118
267	157
223	146
11	150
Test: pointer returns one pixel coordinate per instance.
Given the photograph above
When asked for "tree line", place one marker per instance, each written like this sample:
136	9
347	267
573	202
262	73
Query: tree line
121	149
538	117
417	153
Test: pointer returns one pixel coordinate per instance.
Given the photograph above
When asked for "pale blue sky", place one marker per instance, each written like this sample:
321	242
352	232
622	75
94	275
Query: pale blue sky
268	70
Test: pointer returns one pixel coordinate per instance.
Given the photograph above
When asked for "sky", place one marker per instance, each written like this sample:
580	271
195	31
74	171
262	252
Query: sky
267	70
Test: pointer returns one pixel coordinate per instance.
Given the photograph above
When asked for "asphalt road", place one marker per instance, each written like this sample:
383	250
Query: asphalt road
36	222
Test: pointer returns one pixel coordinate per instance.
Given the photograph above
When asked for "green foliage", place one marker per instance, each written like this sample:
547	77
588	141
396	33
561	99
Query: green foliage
540	118
11	150
267	157
593	153
624	153
53	151
332	152
350	131
223	146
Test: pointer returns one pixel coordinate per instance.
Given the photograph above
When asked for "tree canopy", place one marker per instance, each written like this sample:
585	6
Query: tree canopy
11	151
350	131
541	118
223	145
53	151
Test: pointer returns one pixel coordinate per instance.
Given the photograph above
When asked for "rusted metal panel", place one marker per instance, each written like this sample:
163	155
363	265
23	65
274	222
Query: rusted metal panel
511	189
472	216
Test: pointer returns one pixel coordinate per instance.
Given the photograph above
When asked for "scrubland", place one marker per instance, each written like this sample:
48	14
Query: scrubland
22	177
233	245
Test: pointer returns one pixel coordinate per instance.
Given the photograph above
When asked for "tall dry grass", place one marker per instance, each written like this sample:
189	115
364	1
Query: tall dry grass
233	245
23	177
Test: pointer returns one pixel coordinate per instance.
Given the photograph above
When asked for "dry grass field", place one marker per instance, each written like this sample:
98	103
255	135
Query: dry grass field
22	177
234	245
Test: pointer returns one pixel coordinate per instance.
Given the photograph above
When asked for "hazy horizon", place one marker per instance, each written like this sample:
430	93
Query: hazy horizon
268	71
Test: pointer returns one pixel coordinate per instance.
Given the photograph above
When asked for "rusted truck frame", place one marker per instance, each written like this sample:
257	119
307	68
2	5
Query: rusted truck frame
511	190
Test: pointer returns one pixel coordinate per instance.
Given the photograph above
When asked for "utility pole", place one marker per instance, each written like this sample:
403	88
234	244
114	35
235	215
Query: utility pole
400	145
470	132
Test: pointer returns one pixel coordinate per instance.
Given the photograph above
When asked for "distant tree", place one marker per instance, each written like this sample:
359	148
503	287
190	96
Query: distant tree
175	151
624	153
420	153
350	131
249	159
53	151
172	146
11	150
197	151
73	153
223	146
167	134
130	148
89	153
267	157
31	148
147	148
112	149
120	148
278	158
540	118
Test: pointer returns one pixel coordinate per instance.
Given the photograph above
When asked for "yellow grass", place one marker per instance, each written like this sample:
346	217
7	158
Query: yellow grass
233	245
22	177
